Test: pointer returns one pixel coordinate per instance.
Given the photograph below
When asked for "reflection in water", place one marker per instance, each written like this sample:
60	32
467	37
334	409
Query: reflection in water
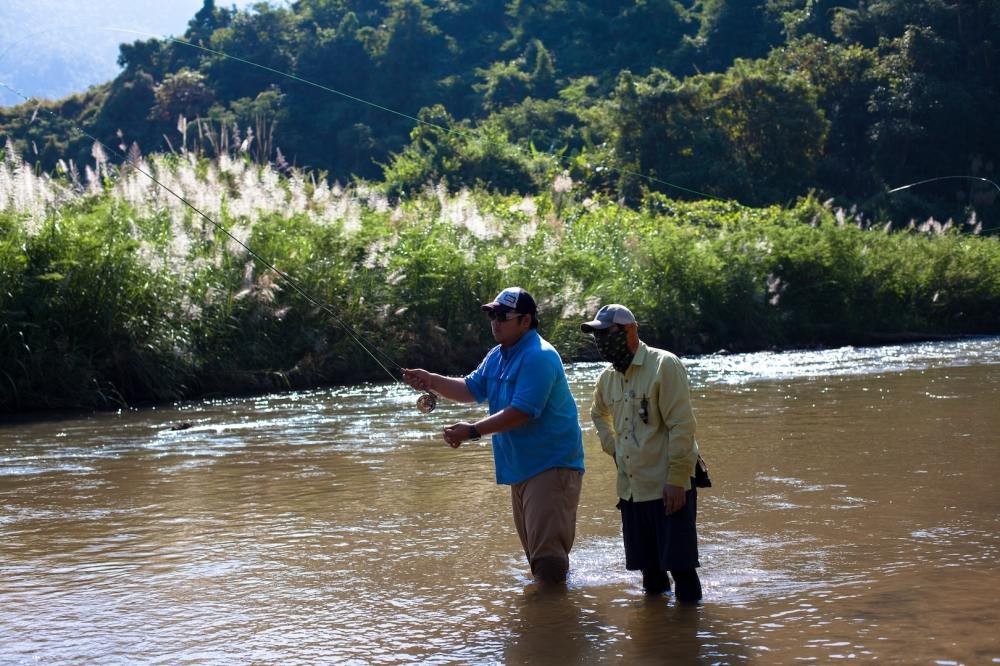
589	626
549	626
660	634
854	515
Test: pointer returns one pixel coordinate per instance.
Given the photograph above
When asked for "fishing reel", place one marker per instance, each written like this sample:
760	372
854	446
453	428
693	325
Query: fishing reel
427	402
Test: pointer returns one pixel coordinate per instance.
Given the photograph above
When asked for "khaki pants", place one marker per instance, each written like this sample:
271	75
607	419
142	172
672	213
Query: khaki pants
544	509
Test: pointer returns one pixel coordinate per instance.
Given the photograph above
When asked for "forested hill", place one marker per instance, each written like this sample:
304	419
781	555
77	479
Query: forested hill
759	101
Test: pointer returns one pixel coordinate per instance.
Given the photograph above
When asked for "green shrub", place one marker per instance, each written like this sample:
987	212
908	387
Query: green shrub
120	298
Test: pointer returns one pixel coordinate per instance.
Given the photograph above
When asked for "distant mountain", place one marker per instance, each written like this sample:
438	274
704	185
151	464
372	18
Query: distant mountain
51	48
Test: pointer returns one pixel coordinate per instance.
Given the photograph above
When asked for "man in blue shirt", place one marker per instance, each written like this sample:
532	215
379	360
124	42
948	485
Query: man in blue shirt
537	442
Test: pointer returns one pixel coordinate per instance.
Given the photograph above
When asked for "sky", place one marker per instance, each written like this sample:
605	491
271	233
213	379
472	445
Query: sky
52	48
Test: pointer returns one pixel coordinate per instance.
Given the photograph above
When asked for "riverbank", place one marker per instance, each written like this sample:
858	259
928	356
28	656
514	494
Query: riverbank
118	294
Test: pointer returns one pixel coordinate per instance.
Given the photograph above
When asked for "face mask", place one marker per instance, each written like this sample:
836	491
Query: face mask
614	349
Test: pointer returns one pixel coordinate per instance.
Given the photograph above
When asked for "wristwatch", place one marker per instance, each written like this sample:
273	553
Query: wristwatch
474	432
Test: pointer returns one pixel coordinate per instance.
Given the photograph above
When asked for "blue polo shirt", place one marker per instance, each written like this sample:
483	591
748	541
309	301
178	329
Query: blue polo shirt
529	376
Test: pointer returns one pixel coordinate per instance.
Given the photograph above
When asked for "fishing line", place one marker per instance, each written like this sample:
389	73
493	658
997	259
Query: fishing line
428	400
425	402
466	135
455	132
3	54
360	100
933	180
460	133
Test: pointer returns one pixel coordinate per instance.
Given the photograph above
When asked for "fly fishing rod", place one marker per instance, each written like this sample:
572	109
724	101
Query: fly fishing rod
426	402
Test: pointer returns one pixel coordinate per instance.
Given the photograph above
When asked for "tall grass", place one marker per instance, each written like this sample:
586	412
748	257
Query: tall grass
113	292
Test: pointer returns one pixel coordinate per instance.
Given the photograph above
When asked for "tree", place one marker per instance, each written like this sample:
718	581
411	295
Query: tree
336	58
648	34
206	21
507	83
745	134
413	49
775	131
808	17
261	38
843	79
730	29
543	74
184	93
142	55
503	84
441	150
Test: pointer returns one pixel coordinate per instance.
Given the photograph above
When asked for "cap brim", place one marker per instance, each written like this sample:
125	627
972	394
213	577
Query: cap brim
591	326
496	307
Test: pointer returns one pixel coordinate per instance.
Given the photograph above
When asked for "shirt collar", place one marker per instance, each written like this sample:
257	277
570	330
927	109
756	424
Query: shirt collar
520	344
640	354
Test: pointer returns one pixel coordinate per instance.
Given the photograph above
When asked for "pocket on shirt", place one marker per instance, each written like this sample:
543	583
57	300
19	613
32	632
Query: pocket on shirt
615	393
501	389
654	419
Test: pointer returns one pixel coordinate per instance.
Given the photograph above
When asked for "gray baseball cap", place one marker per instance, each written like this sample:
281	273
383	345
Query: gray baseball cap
608	315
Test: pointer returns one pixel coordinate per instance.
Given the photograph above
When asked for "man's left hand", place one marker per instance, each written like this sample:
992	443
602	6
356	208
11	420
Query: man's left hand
674	498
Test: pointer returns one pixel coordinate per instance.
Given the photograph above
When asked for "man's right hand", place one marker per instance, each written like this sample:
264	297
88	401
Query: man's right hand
417	378
674	498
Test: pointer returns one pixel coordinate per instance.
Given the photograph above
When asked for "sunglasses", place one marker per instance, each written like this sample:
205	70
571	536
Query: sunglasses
502	316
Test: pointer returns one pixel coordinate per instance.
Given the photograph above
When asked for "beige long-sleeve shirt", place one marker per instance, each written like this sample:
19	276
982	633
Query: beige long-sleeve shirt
660	449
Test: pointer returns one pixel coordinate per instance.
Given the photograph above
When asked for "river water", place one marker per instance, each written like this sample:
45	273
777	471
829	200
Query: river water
855	515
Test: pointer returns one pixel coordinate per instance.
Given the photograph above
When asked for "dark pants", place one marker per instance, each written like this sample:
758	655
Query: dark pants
656	540
656	543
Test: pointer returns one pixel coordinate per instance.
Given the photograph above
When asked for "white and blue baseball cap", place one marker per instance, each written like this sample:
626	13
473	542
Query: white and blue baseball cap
512	299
